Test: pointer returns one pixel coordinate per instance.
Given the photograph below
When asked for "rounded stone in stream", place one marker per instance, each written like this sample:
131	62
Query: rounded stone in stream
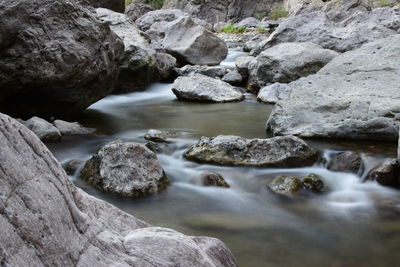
126	169
160	136
348	161
313	183
386	173
281	151
72	166
285	184
214	179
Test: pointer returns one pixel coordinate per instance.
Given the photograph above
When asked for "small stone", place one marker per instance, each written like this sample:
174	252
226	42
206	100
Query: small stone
72	128
214	179
285	185
159	136
348	161
43	129
314	183
153	146
386	173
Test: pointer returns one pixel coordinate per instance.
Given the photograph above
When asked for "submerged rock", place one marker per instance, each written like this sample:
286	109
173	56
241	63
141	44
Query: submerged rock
205	89
387	173
126	169
71	166
214	179
72	128
50	222
285	185
314	183
286	151
43	129
56	57
348	161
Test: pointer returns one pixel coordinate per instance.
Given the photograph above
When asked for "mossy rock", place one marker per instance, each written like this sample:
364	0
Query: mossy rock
314	183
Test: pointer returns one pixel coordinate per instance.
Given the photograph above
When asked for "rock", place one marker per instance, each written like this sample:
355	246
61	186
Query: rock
71	166
115	5
345	162
72	128
211	71
387	173
355	96
287	62
255	41
43	129
285	151
214	179
285	185
54	62
248	22
139	67
47	221
271	94
233	77
166	65
183	38
340	30
314	183
126	169
137	9
242	65
205	89
219	25
153	146
160	136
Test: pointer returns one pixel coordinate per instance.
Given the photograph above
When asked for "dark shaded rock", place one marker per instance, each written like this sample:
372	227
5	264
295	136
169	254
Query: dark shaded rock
153	146
214	179
46	221
348	161
386	173
56	58
126	169
314	183
137	9
285	185
242	65
72	128
286	151
115	5
233	77
165	65
72	166
43	129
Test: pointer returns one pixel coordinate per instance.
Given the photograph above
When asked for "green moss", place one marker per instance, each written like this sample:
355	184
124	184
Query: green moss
261	30
383	3
231	28
278	13
259	15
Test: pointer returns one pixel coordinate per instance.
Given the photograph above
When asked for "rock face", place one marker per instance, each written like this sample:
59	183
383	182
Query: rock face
43	129
345	162
56	57
126	169
341	30
139	66
387	173
46	220
174	31
286	151
205	89
354	96
287	62
285	185
137	9
115	5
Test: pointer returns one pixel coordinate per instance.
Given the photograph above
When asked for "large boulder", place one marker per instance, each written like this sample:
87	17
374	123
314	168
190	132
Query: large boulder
137	9
205	89
56	57
46	221
340	30
287	62
271	94
43	129
115	5
355	96
139	66
177	33
286	151
126	169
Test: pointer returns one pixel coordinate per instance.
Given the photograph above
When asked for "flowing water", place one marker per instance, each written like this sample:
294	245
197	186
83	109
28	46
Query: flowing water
353	224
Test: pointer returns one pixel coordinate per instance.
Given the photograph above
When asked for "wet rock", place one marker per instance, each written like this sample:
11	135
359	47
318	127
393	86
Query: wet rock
211	71
115	5
139	66
43	129
137	9
205	89
214	179
126	169
166	65
160	136
286	151
287	62
271	94
233	77
249	22
387	173
285	185
153	146
50	222
72	128
71	166
46	73
314	183
348	161
353	97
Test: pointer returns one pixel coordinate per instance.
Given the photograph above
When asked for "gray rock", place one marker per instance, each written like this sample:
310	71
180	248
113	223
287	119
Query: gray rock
205	89
387	173
126	169
72	128
214	179
242	65
286	151
254	42
348	161
271	94
46	221
219	25
287	62
211	71
54	62
336	30
355	96
166	65
314	183
233	77
71	166
285	185
160	136
136	10
248	22
43	129
115	5
139	66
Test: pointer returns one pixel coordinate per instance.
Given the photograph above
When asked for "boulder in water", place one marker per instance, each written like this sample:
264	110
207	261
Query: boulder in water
233	77
271	94
43	129
214	179
314	183
386	173
348	161
72	128
285	185
211	71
